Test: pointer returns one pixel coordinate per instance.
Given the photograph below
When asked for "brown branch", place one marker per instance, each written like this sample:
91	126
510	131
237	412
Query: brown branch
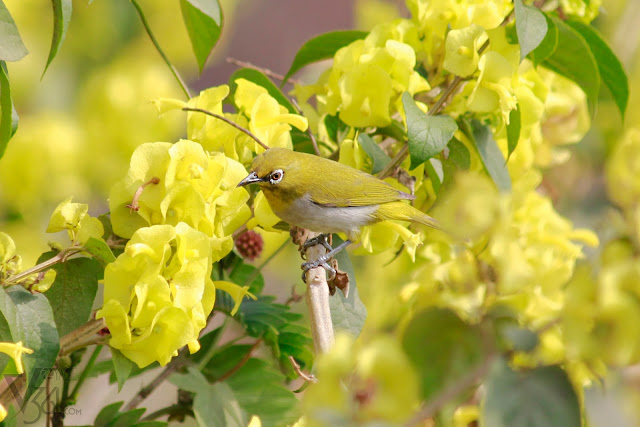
229	122
307	377
79	338
265	71
59	257
145	391
311	136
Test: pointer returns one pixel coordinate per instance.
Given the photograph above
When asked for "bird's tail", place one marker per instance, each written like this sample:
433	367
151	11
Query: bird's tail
404	212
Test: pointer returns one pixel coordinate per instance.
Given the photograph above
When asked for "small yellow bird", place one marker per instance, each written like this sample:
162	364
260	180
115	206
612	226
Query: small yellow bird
327	197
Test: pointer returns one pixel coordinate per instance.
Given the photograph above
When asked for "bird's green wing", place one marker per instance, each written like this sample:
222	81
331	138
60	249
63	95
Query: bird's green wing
359	189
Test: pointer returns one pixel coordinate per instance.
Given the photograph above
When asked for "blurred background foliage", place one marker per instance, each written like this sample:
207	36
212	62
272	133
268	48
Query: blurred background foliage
80	123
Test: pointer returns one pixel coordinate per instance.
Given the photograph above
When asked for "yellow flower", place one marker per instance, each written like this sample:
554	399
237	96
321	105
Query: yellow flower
73	218
15	351
461	50
169	184
158	293
492	93
268	120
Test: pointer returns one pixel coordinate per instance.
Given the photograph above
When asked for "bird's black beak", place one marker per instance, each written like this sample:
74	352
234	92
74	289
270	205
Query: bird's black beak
250	179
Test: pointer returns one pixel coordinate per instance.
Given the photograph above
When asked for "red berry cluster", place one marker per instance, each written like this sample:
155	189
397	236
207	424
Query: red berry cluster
249	244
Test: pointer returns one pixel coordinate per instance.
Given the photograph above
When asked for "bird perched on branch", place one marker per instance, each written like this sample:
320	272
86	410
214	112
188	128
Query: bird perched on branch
327	197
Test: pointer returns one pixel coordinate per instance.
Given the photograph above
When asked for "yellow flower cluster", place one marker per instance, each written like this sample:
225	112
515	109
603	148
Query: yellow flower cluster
159	292
524	249
179	206
173	183
365	83
257	111
73	218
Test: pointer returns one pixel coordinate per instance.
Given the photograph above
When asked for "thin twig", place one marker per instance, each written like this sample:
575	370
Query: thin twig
307	377
173	69
241	363
145	391
59	257
229	122
47	399
265	71
69	343
134	205
309	132
81	337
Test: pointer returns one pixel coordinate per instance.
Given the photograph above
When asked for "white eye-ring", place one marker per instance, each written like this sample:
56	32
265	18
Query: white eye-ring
276	176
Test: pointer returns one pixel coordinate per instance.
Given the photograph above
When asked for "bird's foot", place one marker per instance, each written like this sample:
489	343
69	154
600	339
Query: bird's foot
320	262
320	239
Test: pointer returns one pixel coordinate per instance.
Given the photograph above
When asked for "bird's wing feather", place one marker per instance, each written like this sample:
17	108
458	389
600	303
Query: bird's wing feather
364	190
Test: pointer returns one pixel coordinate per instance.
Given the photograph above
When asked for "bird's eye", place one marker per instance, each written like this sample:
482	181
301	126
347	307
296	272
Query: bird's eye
276	176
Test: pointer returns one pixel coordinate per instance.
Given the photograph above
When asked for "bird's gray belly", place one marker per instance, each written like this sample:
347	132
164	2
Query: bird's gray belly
325	219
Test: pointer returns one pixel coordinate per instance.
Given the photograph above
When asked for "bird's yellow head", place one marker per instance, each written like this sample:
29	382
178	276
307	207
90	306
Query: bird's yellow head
279	170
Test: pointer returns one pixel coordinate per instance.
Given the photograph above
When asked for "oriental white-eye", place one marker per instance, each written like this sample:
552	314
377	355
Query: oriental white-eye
327	197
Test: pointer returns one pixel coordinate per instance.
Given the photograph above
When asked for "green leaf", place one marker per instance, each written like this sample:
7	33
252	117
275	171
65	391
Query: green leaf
548	44
110	416
107	414
11	46
223	361
378	157
540	397
257	316
203	19
519	339
99	249
38	333
442	348
433	167
247	275
72	293
260	79
573	59
61	18
459	154
8	114
122	366
491	155
428	135
322	47
531	26
513	131
216	406
193	380
347	314
260	390
336	128
611	70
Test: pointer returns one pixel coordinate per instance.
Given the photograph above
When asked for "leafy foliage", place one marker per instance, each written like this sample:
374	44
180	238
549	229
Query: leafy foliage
321	47
428	135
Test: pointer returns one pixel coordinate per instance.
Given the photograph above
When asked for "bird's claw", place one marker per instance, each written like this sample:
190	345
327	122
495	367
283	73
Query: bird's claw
320	239
320	262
